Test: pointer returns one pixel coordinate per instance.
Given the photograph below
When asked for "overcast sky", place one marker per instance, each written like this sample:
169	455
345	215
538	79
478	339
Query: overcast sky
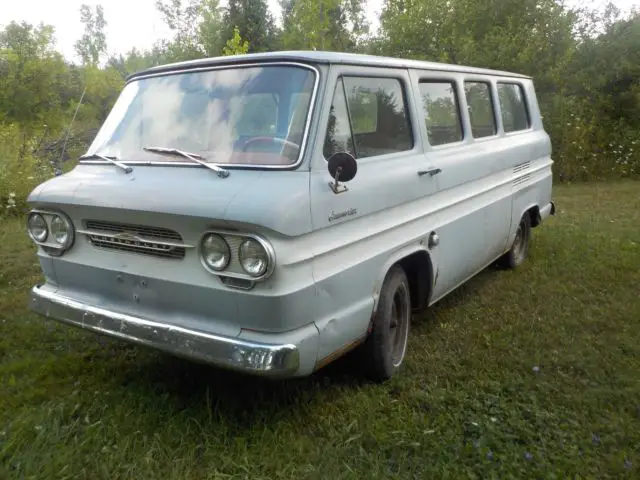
130	23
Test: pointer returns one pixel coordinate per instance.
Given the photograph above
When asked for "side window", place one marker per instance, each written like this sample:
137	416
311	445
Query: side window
374	120
379	118
441	112
481	114
338	137
513	107
363	108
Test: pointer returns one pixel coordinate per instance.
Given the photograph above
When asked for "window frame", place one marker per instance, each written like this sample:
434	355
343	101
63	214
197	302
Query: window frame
527	108
455	83
308	133
348	71
497	119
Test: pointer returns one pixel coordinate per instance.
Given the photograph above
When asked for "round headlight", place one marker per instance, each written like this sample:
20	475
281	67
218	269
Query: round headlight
61	230
253	257
37	227
215	252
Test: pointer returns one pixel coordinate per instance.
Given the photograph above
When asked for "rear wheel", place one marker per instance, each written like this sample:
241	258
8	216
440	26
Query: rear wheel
385	348
520	248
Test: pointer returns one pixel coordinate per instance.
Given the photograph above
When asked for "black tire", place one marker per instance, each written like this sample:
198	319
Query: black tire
385	348
519	250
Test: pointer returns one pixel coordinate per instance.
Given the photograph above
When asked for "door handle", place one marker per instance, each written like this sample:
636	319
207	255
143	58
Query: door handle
429	171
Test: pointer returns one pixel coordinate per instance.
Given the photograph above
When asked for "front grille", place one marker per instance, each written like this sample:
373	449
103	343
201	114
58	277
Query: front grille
144	240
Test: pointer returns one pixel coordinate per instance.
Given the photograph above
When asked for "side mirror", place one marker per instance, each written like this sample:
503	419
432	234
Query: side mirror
342	168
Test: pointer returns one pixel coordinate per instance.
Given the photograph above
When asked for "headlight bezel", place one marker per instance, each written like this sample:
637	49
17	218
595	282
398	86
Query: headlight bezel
49	243
234	268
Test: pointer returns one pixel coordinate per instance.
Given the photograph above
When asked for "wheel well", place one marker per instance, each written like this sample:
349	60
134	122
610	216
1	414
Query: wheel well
534	216
419	271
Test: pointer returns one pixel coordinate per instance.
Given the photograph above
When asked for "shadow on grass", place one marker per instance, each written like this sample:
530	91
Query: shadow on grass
192	386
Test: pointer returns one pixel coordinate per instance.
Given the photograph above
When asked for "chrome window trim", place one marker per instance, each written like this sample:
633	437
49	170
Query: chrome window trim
242	276
243	166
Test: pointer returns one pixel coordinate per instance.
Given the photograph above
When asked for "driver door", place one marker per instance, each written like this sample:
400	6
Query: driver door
371	114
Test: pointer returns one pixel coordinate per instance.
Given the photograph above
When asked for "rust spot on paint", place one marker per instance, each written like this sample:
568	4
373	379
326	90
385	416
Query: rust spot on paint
338	353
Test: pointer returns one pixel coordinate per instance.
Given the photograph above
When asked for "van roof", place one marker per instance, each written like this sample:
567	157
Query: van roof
324	57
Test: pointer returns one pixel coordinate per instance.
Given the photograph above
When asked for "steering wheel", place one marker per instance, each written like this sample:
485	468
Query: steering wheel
283	141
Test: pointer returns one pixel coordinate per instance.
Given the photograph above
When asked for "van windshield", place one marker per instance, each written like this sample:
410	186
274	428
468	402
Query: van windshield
237	115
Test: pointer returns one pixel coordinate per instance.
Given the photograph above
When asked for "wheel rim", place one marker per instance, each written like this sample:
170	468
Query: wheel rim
399	325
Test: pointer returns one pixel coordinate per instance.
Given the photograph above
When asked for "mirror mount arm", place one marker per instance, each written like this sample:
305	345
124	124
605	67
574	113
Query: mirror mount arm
336	187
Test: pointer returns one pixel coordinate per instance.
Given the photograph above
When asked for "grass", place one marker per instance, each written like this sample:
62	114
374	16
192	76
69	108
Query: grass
468	402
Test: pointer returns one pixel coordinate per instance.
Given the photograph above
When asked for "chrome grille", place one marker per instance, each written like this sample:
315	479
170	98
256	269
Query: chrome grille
144	240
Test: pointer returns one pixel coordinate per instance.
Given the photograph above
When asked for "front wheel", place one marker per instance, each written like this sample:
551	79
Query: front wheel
520	248
385	348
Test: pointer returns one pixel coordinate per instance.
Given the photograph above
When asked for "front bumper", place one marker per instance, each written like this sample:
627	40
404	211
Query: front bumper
265	359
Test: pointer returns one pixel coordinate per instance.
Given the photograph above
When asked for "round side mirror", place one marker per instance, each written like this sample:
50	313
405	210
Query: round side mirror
342	166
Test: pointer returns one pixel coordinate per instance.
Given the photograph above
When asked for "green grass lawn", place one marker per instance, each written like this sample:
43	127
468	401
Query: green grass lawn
467	403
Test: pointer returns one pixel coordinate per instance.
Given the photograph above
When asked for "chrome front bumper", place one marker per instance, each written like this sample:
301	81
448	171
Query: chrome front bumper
263	359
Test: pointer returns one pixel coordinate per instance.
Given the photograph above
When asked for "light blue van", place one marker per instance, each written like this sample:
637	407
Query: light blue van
270	212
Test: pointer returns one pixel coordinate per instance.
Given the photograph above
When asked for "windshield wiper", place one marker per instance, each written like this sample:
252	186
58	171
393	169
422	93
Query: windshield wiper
110	159
194	157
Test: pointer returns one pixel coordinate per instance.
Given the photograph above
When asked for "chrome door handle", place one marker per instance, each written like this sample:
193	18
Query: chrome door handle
429	171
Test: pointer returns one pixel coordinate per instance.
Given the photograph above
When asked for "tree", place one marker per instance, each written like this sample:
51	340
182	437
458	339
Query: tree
607	68
136	60
337	25
235	45
93	43
33	74
182	17
210	29
197	28
254	21
527	36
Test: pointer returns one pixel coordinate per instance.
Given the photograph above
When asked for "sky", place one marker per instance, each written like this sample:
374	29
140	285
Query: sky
132	23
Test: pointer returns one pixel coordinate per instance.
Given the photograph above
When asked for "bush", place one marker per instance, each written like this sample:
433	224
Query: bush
588	145
20	171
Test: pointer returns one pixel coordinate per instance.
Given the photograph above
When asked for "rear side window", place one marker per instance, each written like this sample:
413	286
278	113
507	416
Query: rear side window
513	107
441	112
481	114
374	119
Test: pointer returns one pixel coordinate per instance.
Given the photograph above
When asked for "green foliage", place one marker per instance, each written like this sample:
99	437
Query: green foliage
182	17
93	43
136	60
20	170
254	22
32	74
336	25
586	67
210	29
235	45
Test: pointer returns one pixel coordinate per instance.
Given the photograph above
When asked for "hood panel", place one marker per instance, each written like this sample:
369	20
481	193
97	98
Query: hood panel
274	200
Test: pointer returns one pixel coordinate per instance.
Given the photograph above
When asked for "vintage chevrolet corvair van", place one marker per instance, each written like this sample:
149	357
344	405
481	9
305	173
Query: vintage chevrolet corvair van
268	213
